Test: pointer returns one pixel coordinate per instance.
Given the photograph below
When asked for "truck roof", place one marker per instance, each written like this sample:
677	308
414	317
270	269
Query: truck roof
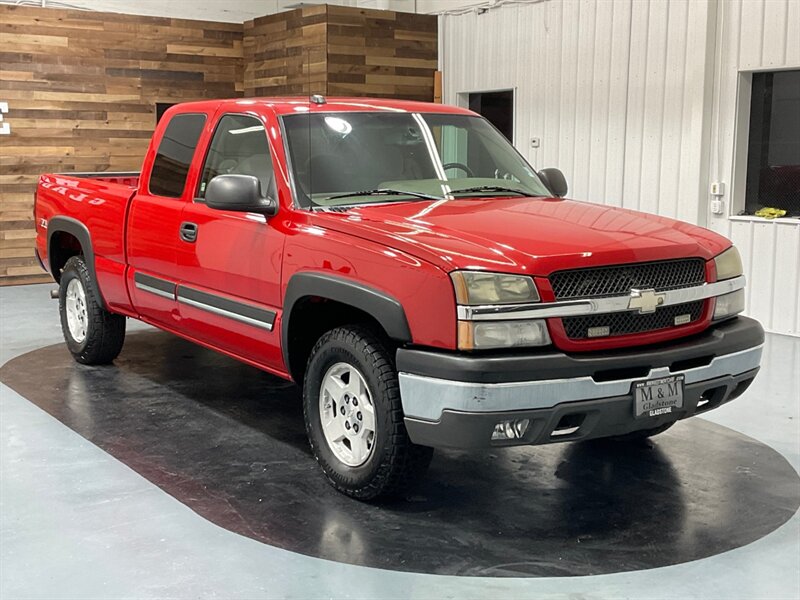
293	105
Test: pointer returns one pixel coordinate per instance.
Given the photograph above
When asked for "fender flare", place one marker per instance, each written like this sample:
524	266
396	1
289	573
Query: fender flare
61	224
382	307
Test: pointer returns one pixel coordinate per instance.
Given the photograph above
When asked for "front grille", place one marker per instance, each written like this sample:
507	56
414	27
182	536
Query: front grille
623	323
618	280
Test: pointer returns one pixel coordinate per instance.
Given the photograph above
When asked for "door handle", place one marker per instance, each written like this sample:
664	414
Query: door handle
188	232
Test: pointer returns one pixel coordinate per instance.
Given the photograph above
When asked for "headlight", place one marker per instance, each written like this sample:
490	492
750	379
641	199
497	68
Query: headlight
729	305
729	264
483	335
478	287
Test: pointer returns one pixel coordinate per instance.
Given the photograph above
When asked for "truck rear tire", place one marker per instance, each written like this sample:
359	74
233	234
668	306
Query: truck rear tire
354	416
94	336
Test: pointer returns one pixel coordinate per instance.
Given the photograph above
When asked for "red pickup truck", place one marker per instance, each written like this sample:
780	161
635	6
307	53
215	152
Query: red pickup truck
404	264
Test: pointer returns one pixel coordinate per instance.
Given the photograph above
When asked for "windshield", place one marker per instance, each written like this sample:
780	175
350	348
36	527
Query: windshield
358	158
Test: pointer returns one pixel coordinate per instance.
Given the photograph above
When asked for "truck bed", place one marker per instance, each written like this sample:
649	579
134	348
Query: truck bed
98	202
126	178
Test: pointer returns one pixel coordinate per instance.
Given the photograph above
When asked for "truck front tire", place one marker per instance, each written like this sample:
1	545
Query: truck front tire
354	416
94	336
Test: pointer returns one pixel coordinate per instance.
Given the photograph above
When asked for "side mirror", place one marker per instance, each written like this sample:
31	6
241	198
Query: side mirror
555	181
240	193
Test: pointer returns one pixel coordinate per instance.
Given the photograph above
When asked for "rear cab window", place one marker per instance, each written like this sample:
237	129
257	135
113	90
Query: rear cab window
174	155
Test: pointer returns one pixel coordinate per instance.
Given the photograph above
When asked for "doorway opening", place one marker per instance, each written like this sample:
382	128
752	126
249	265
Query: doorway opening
497	107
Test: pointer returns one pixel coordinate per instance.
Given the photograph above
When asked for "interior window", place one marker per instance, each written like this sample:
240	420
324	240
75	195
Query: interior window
174	155
773	159
239	146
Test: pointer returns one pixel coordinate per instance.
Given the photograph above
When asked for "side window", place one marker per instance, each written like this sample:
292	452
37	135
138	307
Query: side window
174	155
239	146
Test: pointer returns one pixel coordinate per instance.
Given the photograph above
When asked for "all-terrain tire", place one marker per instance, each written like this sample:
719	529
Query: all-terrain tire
395	463
104	331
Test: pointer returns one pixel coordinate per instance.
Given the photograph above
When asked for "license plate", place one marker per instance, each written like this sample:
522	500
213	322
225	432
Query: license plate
657	397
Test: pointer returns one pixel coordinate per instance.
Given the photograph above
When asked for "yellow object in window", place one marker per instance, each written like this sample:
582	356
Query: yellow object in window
770	213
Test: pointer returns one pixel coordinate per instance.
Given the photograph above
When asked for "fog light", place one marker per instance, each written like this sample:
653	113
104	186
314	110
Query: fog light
510	430
729	304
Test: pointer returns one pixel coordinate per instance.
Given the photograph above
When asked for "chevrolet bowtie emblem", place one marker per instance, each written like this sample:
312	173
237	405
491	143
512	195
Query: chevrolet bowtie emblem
645	301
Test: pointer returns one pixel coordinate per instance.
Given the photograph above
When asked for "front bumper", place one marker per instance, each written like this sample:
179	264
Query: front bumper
455	400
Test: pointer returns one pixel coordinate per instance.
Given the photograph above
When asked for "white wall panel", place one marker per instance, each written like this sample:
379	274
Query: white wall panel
568	63
786	303
771	256
635	100
437	6
603	84
618	99
568	89
755	35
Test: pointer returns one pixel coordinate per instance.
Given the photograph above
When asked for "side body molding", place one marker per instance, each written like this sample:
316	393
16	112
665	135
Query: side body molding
74	227
385	309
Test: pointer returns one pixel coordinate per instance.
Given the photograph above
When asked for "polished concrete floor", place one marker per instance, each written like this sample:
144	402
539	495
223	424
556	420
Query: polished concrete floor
82	516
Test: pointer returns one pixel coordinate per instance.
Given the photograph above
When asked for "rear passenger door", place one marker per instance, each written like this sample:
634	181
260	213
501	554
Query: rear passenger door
229	293
154	219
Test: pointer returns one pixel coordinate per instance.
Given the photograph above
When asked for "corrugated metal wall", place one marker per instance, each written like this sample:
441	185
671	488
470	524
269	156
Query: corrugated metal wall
623	97
755	35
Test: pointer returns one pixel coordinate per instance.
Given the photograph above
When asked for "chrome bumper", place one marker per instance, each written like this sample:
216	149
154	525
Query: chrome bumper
426	398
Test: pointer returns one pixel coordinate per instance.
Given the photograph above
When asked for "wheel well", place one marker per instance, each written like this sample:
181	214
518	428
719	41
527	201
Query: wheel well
310	318
63	246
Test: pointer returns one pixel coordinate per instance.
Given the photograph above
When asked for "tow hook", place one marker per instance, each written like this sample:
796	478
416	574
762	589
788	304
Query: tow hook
54	294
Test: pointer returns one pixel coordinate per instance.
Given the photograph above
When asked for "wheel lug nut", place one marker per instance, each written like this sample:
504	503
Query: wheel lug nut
341	410
355	427
358	416
347	424
355	402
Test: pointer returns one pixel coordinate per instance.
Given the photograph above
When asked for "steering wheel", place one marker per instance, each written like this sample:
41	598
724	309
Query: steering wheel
458	165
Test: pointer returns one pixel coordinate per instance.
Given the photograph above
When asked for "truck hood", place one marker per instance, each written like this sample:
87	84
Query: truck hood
534	236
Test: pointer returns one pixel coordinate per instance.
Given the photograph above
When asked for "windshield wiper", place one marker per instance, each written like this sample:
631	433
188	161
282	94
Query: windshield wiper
494	188
384	192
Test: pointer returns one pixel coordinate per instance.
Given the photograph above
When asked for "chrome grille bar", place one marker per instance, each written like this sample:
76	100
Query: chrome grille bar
592	306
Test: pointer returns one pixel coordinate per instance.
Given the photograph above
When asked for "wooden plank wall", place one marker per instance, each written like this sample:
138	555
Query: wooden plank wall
285	53
341	51
381	53
82	88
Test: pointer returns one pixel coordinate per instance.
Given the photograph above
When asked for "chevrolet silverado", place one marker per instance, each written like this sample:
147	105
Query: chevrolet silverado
410	270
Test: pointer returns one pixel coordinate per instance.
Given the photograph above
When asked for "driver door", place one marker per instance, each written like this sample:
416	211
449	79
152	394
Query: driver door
229	293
